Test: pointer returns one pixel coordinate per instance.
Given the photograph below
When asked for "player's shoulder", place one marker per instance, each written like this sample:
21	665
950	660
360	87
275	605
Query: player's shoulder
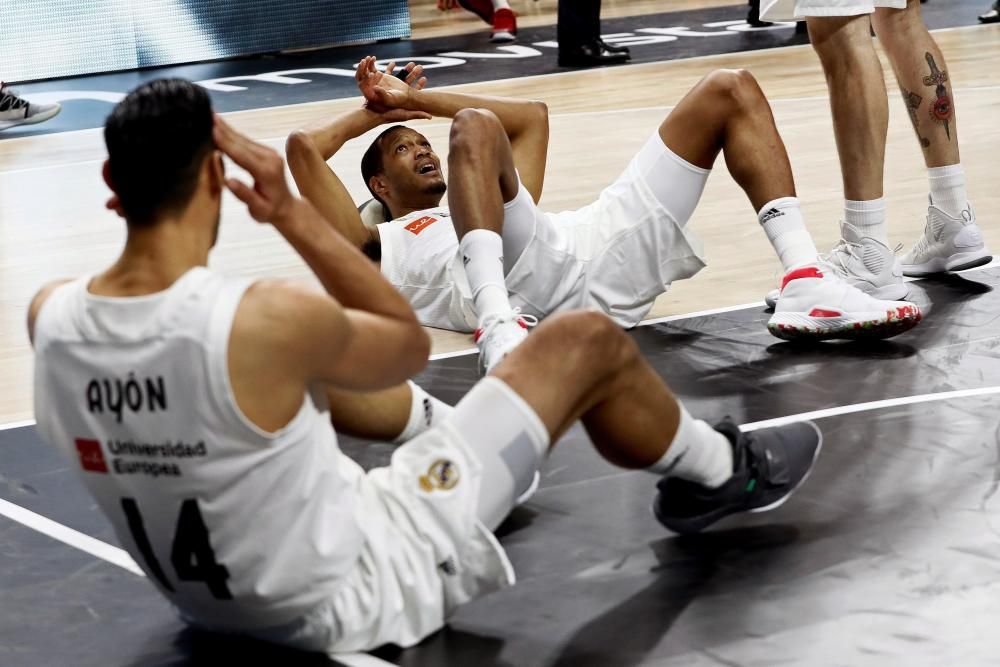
280	297
40	299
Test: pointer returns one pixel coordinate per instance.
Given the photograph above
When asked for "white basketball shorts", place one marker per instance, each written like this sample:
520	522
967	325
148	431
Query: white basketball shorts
428	519
789	10
618	253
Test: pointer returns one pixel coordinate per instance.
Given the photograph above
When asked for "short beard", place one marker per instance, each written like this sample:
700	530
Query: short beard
438	188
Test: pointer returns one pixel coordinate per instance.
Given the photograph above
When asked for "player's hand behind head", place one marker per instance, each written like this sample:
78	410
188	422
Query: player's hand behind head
269	200
383	90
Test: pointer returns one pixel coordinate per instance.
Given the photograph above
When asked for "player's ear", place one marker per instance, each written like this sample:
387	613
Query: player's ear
379	185
216	171
106	174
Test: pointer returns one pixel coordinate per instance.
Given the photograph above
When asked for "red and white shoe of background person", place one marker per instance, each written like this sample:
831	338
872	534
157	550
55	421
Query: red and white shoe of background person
818	304
504	21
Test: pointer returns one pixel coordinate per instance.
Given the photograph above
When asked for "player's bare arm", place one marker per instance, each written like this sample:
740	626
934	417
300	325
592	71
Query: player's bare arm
360	335
526	122
309	149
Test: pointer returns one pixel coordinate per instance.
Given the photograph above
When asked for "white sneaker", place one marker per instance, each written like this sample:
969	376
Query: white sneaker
16	110
497	335
817	304
948	244
863	262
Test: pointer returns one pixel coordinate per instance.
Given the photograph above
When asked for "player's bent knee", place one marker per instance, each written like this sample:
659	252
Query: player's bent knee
735	88
470	130
594	333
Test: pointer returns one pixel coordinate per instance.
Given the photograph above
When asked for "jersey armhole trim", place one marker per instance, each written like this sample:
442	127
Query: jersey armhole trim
219	334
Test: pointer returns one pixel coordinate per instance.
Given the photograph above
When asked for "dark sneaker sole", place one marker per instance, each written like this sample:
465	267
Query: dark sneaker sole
979	261
818	330
700	523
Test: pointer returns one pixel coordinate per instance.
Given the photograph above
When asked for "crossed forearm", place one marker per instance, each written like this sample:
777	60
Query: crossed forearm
516	116
330	137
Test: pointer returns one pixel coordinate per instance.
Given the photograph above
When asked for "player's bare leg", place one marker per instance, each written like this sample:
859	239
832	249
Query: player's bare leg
952	241
858	101
580	365
728	113
860	109
482	178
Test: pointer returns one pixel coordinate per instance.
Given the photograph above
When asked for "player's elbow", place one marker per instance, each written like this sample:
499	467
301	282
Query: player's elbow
298	145
539	113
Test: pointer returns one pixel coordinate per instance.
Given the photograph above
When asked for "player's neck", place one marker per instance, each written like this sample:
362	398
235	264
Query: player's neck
399	210
154	258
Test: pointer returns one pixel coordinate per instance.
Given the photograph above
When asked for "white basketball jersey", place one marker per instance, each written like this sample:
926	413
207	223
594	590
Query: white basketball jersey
238	527
421	258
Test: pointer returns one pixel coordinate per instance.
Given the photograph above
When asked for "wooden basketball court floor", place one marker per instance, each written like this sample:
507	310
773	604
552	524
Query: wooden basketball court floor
890	555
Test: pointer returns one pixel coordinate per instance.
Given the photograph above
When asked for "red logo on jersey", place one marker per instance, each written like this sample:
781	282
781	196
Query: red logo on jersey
91	456
420	224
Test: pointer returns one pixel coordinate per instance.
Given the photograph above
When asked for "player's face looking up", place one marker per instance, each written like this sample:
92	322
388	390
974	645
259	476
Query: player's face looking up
410	168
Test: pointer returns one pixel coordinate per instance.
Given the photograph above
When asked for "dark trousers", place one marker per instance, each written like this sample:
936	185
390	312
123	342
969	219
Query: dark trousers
579	22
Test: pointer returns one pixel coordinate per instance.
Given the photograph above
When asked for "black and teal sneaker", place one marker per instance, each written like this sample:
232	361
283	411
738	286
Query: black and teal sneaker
768	466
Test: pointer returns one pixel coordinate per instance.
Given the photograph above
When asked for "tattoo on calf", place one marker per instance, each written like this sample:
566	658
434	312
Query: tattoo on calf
942	111
912	105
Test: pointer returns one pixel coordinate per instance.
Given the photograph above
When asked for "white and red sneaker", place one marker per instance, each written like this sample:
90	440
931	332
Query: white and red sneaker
817	304
498	334
504	26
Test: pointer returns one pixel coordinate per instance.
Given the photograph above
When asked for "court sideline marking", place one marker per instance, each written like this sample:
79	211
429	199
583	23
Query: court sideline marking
658	320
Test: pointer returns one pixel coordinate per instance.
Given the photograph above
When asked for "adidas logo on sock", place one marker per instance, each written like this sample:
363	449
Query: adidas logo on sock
770	214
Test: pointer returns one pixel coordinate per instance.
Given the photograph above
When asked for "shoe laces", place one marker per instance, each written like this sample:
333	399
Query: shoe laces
838	257
513	315
9	99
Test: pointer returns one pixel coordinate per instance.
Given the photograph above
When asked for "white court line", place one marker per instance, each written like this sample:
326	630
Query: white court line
69	536
360	660
871	405
700	313
20	424
122	559
658	320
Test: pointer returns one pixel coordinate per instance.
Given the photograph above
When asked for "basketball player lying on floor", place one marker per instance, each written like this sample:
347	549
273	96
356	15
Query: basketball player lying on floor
495	256
196	406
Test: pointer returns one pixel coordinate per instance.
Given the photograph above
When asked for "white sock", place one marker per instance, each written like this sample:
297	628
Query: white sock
425	412
868	217
698	453
500	4
482	252
948	189
786	230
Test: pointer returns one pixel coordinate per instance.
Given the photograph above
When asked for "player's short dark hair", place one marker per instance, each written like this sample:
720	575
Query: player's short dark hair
371	161
157	140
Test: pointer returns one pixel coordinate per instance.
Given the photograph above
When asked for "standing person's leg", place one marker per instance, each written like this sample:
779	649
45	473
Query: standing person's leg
860	109
952	241
15	110
579	36
580	366
728	113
